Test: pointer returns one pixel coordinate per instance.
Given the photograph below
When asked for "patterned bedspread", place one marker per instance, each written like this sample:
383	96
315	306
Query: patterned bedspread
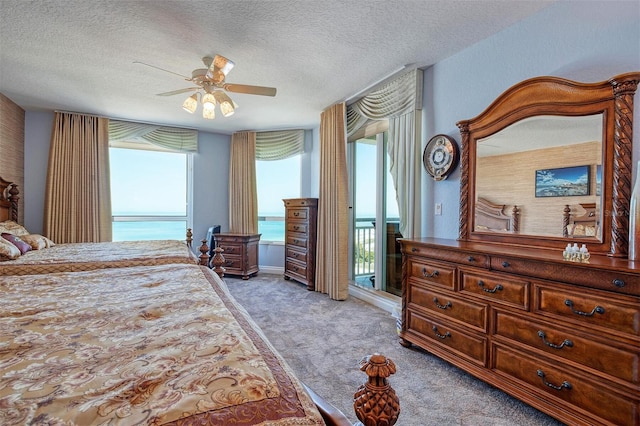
156	345
89	256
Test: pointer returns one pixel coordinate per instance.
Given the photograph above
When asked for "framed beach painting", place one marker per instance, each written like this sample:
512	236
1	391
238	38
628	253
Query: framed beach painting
562	182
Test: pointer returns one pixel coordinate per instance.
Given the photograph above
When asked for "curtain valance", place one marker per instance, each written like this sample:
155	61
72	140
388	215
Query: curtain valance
278	145
398	97
170	138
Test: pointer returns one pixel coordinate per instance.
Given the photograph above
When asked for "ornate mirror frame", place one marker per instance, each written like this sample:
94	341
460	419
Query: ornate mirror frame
556	96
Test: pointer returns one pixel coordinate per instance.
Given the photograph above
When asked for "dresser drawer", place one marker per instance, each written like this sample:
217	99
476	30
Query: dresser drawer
296	240
497	288
297	254
231	248
296	268
439	253
298	213
561	383
301	227
610	311
232	262
580	274
436	273
599	356
469	313
466	345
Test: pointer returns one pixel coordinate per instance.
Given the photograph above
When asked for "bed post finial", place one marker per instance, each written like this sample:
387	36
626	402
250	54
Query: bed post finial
189	237
375	402
204	253
217	261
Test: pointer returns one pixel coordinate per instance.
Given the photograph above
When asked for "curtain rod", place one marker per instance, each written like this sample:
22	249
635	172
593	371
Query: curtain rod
125	119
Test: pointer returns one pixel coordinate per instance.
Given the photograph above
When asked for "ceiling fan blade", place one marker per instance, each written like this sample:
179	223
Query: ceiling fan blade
162	69
250	90
177	92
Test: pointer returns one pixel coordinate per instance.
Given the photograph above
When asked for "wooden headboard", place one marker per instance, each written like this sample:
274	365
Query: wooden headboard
491	217
8	200
584	225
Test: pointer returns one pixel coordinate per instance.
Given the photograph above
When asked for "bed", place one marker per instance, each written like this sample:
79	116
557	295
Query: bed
491	217
580	222
163	344
140	335
36	254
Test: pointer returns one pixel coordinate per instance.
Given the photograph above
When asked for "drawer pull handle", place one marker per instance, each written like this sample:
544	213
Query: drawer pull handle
596	310
618	283
229	262
413	249
296	214
505	264
435	273
489	290
445	306
471	259
296	227
441	336
564	384
567	342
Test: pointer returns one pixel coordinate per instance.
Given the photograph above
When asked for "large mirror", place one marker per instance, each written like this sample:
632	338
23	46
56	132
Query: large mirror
548	163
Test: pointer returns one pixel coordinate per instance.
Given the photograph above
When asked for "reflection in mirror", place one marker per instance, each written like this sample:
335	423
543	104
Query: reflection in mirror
544	174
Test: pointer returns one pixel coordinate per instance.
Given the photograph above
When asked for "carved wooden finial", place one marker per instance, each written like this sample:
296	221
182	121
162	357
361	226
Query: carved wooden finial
217	261
375	402
189	237
204	253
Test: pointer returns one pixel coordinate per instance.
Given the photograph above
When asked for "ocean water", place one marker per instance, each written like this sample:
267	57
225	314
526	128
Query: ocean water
271	230
152	230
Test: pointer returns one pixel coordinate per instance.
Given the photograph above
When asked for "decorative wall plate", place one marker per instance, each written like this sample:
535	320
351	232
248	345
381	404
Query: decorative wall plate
440	156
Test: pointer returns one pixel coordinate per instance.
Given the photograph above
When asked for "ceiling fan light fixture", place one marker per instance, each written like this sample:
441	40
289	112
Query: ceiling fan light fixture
191	103
208	112
227	106
208	101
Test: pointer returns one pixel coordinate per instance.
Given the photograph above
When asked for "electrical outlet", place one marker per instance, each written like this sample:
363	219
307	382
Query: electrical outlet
438	209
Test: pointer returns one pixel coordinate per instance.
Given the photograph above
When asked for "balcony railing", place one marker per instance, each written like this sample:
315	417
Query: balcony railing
364	247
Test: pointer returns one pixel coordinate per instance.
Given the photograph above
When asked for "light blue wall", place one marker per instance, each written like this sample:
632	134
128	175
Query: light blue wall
585	41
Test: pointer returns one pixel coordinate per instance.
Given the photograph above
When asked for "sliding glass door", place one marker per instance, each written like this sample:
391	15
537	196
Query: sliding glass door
376	261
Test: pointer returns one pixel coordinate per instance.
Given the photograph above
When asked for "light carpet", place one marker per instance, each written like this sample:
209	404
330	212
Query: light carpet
323	340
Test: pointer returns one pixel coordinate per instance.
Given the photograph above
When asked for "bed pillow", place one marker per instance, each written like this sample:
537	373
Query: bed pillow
17	241
8	251
37	241
11	227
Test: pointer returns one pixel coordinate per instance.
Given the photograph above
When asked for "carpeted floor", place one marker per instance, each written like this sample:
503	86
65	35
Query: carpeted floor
431	391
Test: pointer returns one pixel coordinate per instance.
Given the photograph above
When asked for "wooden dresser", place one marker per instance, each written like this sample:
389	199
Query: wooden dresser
240	253
563	337
301	223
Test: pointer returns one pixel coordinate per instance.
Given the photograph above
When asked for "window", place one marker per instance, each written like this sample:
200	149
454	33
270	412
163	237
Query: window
275	180
150	194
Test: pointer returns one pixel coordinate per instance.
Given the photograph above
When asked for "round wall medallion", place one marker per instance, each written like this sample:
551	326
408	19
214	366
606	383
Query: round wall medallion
440	156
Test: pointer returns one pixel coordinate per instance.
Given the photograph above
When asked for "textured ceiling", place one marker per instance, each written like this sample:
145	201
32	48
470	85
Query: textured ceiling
79	56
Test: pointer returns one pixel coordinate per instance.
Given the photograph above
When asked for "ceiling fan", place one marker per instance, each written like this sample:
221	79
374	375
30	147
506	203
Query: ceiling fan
210	86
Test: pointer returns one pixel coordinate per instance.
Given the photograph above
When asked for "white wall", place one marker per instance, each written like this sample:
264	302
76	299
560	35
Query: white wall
585	41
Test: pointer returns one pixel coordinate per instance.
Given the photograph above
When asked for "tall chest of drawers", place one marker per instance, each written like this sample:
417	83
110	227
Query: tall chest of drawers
563	337
240	253
301	223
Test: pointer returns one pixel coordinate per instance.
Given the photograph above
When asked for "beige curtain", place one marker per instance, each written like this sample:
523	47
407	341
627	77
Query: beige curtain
332	268
243	198
400	102
405	166
77	198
